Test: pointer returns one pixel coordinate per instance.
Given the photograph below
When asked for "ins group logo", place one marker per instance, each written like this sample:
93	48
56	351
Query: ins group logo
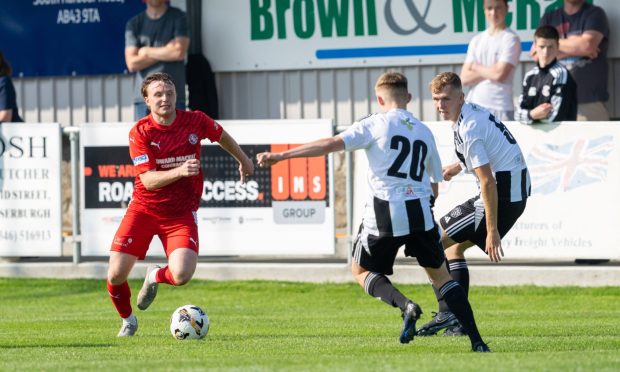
298	178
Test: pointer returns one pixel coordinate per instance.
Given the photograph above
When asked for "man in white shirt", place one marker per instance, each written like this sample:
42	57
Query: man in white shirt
490	63
486	148
404	168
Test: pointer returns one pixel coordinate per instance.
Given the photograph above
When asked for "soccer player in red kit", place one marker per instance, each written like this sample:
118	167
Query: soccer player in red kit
165	149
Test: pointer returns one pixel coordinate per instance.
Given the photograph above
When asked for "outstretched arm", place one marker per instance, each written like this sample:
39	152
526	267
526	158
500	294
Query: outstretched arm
316	148
246	167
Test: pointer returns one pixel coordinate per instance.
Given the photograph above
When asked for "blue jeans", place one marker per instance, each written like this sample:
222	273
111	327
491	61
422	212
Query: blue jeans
140	109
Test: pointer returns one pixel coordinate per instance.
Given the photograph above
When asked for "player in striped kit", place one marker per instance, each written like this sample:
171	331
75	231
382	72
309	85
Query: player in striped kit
165	149
486	148
404	168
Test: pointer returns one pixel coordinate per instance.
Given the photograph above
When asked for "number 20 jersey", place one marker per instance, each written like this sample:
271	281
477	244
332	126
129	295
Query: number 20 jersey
402	162
479	139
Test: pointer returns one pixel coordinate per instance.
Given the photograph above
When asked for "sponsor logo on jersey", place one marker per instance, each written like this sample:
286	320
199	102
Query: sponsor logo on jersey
531	92
140	159
193	139
156	144
456	212
546	90
122	242
407	122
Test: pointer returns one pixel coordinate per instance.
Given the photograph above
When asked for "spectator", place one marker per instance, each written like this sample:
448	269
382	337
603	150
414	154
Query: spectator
156	40
584	33
8	99
549	91
491	59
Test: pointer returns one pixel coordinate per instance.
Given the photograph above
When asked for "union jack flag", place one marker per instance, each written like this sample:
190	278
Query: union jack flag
559	168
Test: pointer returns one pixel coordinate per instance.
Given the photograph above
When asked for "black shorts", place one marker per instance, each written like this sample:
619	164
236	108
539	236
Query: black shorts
377	254
468	222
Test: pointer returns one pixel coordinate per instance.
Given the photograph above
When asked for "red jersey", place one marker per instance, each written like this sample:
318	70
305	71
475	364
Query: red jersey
158	147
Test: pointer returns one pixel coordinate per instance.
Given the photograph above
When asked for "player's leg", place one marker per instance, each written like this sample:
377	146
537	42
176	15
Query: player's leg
130	244
373	260
456	298
120	266
458	227
179	237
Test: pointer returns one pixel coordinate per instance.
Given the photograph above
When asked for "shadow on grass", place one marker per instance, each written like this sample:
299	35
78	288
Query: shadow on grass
43	346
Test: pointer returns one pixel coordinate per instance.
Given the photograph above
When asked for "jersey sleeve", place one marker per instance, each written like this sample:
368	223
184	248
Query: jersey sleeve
511	49
131	39
474	150
210	129
524	106
433	161
597	21
141	156
357	136
180	26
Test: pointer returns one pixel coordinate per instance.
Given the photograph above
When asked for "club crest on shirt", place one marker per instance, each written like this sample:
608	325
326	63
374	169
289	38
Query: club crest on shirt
193	139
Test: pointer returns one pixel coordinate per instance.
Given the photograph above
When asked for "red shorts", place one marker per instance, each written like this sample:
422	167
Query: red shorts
137	229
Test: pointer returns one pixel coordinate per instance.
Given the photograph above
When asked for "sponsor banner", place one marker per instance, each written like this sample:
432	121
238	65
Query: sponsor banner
288	34
30	203
66	37
266	215
575	170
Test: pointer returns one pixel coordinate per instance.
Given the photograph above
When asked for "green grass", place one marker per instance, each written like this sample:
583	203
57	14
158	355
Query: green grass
72	325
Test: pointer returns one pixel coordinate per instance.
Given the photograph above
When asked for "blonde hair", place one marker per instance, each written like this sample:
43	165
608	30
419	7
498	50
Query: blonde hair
443	80
394	84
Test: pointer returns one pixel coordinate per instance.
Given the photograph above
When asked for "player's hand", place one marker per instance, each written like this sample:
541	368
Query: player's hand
494	247
267	159
451	170
246	169
190	168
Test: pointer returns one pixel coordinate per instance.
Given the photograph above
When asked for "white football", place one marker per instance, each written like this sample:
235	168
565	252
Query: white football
189	322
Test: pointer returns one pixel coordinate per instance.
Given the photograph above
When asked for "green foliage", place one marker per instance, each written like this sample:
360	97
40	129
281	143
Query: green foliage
72	325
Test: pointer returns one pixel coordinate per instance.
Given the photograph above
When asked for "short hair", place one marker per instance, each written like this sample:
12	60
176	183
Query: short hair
505	1
157	76
547	32
443	80
5	67
395	83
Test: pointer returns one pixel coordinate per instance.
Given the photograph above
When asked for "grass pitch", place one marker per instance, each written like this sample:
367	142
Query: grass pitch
259	325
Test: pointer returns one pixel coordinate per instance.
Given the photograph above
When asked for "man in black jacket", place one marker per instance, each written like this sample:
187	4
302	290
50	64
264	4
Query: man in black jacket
549	91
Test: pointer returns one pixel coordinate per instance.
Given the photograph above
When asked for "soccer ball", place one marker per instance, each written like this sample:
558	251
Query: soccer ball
189	322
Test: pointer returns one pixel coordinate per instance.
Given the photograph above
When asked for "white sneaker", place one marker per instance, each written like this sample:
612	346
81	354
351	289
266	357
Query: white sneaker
129	327
147	293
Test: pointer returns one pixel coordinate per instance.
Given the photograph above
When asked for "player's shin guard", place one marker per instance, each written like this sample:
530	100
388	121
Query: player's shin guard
379	286
121	298
443	306
164	276
457	301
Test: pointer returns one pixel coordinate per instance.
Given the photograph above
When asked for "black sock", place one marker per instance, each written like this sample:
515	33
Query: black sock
379	286
458	303
443	306
460	272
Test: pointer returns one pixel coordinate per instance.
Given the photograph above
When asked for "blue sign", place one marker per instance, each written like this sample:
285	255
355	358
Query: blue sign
65	37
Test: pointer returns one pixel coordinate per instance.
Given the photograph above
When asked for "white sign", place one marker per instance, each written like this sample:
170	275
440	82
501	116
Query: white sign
30	205
572	214
242	35
284	210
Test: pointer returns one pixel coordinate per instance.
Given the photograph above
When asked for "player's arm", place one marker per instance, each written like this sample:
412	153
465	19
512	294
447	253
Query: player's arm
246	167
488	191
451	170
497	72
584	45
136	62
175	50
316	148
153	180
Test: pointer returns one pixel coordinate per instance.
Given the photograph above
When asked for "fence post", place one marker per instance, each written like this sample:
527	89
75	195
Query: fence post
75	194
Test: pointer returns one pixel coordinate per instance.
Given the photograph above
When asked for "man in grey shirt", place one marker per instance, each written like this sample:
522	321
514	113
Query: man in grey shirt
156	40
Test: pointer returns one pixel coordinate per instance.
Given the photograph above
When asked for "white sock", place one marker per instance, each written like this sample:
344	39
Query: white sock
130	319
152	276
